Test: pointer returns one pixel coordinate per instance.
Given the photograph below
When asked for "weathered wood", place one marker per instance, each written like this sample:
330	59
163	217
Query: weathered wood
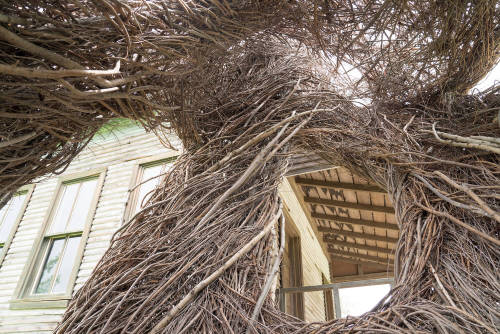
356	278
339	185
360	256
349	205
352	260
337	285
357	235
332	242
353	221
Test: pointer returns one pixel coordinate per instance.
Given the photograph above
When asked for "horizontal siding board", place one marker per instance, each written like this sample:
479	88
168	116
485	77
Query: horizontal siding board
119	153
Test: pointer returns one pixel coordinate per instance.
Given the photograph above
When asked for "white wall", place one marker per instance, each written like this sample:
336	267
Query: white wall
120	151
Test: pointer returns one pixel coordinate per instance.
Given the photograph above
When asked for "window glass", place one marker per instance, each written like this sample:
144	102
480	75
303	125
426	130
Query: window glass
50	266
66	265
82	205
358	300
58	254
8	216
145	189
64	207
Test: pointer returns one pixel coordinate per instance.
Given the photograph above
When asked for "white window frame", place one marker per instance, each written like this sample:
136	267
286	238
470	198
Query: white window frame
23	298
28	190
136	179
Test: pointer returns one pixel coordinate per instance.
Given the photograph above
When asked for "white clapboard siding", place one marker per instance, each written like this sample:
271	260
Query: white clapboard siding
119	151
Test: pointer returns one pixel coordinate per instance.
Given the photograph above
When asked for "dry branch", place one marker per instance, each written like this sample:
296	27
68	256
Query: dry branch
226	76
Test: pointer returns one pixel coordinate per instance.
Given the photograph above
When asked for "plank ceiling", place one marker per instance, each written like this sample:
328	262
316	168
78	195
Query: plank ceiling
354	218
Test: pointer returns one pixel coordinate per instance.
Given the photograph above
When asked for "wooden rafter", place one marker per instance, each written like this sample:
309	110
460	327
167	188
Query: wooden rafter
353	260
357	235
354	278
360	256
333	242
349	205
360	222
339	185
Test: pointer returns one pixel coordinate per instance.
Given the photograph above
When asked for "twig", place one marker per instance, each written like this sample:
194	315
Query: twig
461	223
441	287
200	286
449	200
19	139
460	141
270	276
48	74
259	159
469	192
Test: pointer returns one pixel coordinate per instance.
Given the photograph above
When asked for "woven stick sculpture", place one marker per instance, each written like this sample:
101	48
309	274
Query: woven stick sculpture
245	86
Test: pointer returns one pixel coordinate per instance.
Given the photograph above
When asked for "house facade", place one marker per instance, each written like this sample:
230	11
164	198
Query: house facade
54	232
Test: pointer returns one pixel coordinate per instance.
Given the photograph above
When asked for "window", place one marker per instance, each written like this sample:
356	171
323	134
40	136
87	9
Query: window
291	272
10	216
357	298
149	176
53	268
328	299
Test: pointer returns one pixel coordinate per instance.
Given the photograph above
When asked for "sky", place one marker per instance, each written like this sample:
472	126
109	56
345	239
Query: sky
358	300
490	79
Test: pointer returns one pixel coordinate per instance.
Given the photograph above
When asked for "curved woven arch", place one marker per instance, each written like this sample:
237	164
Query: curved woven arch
245	84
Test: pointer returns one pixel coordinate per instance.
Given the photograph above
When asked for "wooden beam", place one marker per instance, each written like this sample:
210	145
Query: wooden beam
349	205
354	278
356	234
339	285
359	222
352	260
361	256
340	185
357	246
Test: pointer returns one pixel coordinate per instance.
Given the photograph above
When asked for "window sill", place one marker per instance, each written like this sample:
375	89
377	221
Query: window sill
41	302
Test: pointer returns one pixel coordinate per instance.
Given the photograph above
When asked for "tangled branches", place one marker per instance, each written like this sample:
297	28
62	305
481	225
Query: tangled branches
245	84
173	274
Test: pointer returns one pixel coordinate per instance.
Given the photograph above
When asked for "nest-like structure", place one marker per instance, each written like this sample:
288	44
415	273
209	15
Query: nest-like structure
247	84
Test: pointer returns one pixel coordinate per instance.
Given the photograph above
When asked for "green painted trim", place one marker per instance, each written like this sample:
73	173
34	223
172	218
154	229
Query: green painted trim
115	124
158	162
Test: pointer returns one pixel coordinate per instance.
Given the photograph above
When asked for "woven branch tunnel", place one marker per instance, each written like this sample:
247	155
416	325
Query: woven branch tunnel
245	85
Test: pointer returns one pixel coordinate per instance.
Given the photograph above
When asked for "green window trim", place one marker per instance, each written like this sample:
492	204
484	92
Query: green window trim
24	295
4	247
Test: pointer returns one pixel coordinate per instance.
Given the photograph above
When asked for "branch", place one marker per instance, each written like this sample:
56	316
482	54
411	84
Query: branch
200	286
48	74
485	143
469	192
461	223
270	276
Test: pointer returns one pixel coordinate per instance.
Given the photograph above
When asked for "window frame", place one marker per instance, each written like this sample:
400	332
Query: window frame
292	303
28	189
23	297
137	174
